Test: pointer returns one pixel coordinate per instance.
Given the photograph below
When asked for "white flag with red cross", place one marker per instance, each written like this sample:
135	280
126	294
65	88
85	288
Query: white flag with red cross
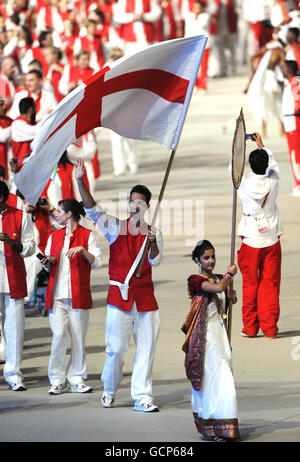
144	96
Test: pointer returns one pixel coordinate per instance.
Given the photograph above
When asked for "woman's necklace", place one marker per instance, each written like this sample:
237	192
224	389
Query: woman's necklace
213	279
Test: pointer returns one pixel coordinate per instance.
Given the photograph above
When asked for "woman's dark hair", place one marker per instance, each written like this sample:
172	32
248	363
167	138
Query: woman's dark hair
200	248
259	161
72	205
141	189
64	159
4	191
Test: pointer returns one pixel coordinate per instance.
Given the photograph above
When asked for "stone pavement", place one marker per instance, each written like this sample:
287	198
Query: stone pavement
267	373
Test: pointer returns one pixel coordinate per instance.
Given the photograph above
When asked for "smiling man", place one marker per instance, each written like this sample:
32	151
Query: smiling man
131	301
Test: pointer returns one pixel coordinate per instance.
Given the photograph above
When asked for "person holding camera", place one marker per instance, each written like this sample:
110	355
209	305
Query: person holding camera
16	243
70	252
259	257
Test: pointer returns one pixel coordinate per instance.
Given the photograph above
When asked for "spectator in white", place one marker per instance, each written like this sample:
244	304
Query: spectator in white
44	99
197	23
16	243
23	129
75	250
259	257
86	149
94	44
36	52
5	123
76	74
291	118
7	83
226	36
125	151
137	19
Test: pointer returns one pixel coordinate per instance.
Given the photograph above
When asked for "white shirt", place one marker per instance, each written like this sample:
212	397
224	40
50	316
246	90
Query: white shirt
252	192
288	105
27	239
109	226
197	25
62	286
47	103
23	131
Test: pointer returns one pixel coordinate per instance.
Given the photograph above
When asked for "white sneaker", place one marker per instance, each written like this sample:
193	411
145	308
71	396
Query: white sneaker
57	389
145	406
17	386
107	400
79	388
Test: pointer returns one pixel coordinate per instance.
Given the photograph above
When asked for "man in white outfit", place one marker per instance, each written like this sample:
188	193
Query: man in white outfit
131	302
16	243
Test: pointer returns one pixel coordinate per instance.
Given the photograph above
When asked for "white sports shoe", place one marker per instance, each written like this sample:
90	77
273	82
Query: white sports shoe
17	386
107	400
145	406
57	389
79	388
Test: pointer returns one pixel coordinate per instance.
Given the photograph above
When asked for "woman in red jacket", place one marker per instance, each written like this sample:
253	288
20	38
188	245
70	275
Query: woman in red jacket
72	251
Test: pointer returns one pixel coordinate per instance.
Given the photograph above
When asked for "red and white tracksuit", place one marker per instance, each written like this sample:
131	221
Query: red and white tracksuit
68	299
291	106
44	100
139	313
17	225
259	257
136	34
22	134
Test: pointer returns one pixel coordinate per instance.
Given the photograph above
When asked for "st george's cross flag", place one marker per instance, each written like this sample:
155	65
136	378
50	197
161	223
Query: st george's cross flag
144	96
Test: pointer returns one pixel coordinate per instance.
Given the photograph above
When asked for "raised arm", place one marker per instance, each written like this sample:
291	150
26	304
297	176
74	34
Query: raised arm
87	198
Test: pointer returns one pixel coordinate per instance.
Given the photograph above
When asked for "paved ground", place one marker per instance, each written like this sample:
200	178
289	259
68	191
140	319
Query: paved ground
267	373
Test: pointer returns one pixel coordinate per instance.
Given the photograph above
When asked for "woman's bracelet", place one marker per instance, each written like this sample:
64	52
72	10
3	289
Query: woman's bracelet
228	275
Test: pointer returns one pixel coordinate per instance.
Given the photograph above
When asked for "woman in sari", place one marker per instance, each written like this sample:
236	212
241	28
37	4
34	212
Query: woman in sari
208	352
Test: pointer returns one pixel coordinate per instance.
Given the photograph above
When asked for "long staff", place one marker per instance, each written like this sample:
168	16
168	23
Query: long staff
237	165
160	197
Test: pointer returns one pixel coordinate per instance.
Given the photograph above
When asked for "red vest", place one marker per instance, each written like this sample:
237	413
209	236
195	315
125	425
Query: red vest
4	123
79	75
15	267
231	18
43	226
79	266
64	172
127	30
21	148
141	291
12	200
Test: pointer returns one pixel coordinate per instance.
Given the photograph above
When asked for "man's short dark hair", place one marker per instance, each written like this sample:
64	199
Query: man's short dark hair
259	161
36	72
294	31
2	171
142	189
4	191
292	66
25	104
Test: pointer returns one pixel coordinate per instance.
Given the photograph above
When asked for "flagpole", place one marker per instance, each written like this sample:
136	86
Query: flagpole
160	197
232	253
174	147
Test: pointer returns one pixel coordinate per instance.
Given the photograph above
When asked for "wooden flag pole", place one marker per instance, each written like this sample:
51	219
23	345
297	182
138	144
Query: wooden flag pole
232	253
160	197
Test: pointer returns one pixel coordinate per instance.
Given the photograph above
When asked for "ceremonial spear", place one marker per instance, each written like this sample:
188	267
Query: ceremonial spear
237	170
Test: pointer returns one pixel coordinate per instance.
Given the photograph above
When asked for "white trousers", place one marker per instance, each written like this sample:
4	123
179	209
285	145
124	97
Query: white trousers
13	324
65	321
119	327
33	268
124	153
